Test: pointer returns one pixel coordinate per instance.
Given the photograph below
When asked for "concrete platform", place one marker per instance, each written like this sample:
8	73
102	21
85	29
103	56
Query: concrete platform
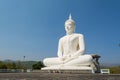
69	71
57	76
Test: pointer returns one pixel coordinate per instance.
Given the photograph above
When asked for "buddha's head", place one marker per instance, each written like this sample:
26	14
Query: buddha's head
70	25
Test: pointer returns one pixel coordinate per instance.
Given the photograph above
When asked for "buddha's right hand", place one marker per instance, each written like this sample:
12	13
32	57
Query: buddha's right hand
65	59
62	58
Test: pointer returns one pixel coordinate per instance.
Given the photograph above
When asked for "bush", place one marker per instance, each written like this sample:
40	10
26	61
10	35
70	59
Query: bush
115	70
2	65
38	65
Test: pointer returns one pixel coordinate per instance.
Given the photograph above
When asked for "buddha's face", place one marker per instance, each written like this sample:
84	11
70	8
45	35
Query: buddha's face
69	27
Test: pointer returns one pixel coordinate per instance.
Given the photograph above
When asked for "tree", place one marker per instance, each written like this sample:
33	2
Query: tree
2	65
38	65
14	65
115	70
9	65
19	65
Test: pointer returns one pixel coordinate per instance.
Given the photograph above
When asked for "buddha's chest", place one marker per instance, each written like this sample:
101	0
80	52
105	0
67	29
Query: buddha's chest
70	41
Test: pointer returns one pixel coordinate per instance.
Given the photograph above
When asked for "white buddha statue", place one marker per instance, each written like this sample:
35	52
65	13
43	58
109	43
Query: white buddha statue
71	51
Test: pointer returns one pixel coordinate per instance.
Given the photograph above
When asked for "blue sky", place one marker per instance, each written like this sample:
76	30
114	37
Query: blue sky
32	28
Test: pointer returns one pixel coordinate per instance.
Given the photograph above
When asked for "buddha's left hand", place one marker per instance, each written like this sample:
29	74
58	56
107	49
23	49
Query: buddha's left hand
68	59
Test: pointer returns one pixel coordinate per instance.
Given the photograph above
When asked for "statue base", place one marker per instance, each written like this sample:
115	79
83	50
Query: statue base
68	69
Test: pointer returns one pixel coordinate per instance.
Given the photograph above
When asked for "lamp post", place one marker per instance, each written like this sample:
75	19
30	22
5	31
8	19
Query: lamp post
23	58
24	63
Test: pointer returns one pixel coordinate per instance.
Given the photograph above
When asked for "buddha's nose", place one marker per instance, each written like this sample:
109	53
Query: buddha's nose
69	27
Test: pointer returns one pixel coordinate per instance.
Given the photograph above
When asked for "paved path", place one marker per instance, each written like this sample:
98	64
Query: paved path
56	76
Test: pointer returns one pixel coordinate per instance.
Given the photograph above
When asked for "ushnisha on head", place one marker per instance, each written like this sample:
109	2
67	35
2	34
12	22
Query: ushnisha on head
70	25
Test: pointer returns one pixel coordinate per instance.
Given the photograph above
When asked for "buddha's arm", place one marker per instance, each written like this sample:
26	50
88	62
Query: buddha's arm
81	50
60	49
